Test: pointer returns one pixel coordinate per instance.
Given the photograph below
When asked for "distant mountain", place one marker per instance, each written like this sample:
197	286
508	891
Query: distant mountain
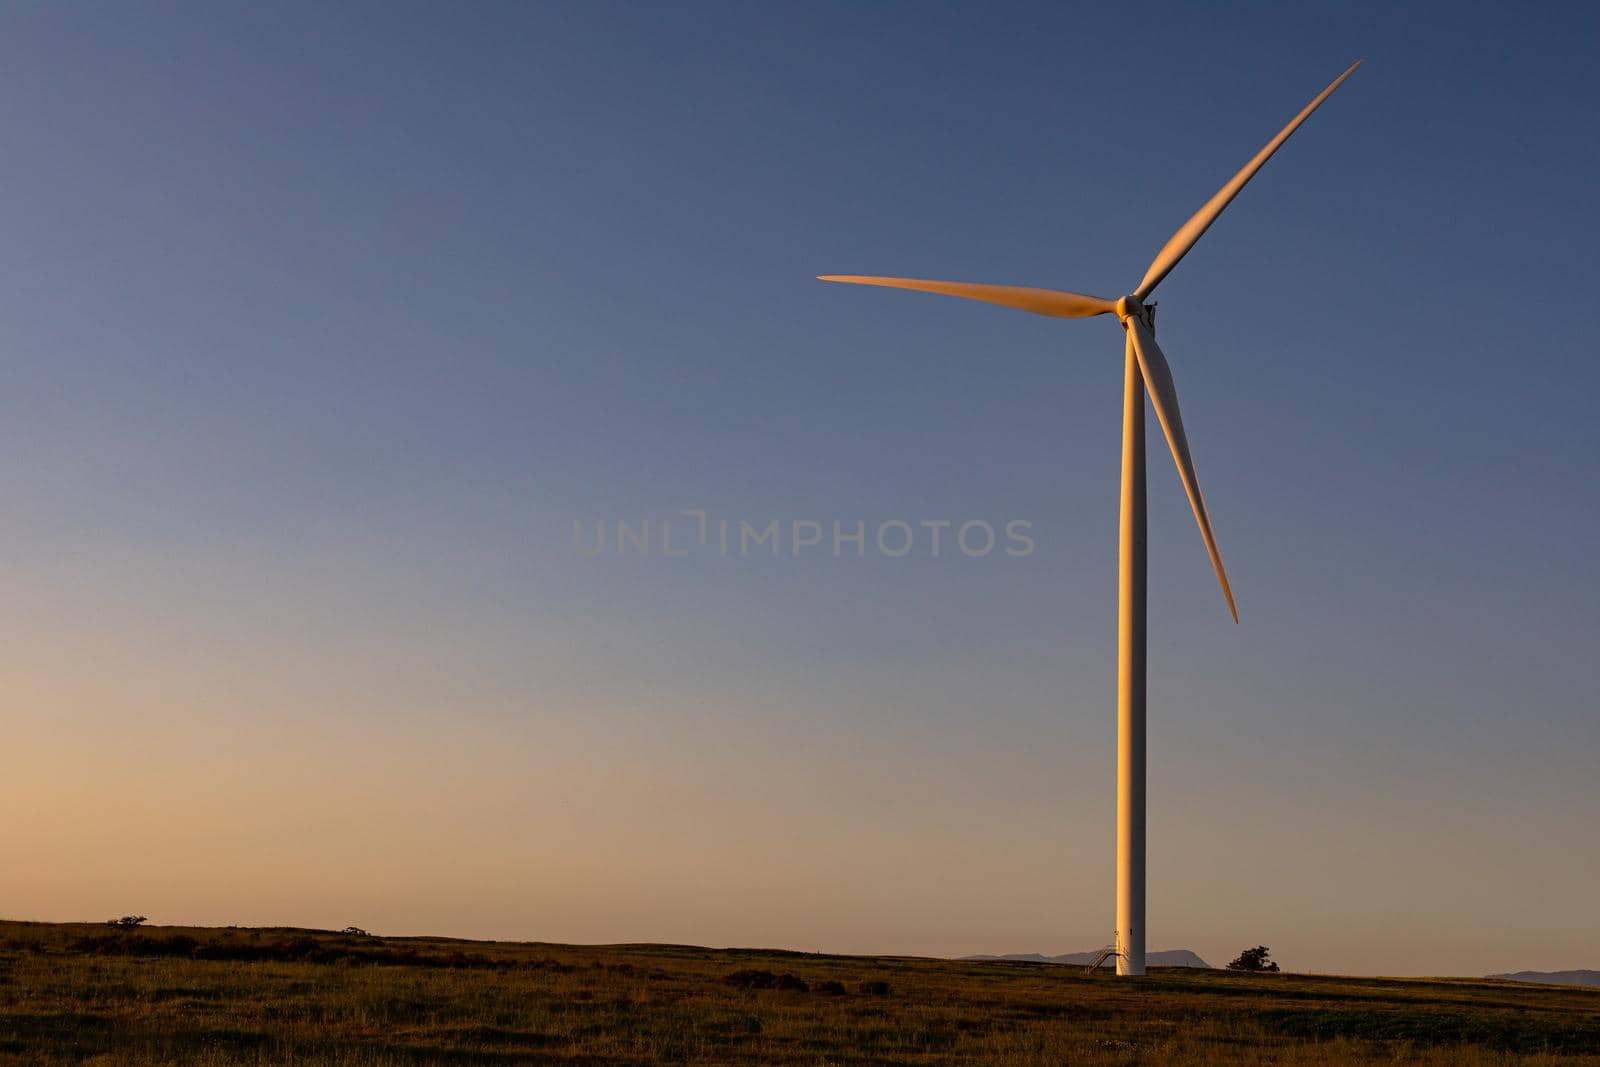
1553	977
1177	957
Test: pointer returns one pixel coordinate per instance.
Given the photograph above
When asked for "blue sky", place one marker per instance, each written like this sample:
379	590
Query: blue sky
321	328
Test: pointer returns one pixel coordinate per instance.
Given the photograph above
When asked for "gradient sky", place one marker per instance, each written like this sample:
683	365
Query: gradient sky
321	328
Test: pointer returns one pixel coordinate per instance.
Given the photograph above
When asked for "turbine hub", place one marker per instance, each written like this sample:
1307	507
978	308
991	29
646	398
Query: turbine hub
1130	306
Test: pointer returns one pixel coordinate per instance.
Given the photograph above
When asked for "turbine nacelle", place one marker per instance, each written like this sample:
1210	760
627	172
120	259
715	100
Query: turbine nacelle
1131	307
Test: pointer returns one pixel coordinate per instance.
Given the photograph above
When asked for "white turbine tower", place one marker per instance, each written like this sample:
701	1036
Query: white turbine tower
1145	368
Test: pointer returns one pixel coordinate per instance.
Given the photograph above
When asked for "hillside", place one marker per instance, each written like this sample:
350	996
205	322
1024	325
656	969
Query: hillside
1553	977
1176	957
72	994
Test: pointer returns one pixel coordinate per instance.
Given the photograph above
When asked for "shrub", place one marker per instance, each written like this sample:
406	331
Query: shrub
875	988
127	922
1253	959
751	979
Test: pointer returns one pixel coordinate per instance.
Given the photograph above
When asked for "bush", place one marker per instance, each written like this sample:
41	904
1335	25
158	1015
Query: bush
127	922
875	988
831	988
749	979
1254	960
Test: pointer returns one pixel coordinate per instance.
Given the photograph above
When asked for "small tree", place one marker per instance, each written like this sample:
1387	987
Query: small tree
127	922
1253	959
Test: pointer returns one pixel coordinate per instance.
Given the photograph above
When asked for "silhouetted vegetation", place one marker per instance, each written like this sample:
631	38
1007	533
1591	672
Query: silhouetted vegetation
127	922
83	994
1253	959
303	948
753	979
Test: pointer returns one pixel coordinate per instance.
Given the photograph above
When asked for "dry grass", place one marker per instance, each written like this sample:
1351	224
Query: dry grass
87	994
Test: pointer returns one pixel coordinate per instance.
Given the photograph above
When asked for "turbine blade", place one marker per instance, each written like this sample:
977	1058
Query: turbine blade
1179	244
1053	302
1164	398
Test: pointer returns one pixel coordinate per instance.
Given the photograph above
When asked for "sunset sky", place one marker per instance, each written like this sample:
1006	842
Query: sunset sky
320	330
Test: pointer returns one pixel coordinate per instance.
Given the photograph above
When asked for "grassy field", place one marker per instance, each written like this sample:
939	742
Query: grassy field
91	994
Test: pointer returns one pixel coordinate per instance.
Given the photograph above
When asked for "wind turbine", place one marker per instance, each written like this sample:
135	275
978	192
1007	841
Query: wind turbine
1145	368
